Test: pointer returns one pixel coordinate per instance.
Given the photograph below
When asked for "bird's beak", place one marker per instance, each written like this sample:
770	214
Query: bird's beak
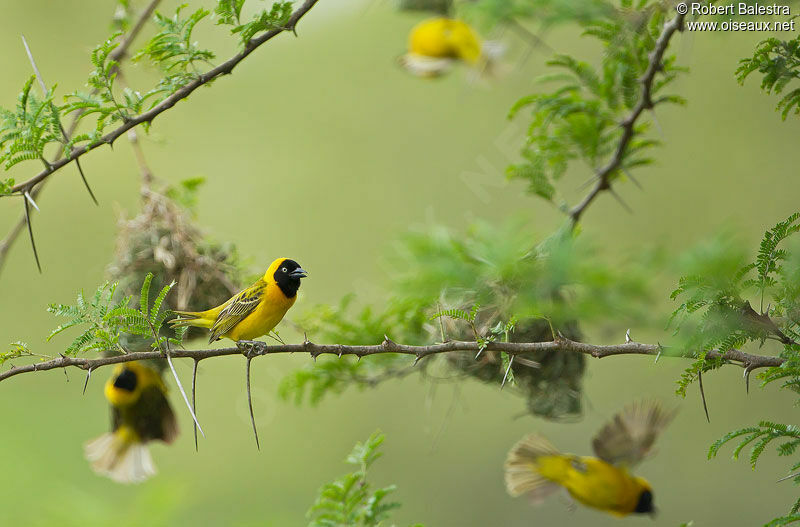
298	273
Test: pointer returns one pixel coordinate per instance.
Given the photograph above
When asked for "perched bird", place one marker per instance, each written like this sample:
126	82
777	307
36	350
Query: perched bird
534	467
140	412
435	44
253	312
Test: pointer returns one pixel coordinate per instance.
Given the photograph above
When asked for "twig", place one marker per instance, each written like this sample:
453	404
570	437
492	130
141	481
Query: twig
147	117
603	175
387	346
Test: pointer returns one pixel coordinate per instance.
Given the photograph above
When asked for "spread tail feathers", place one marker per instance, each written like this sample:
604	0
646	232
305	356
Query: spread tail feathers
522	475
188	318
119	460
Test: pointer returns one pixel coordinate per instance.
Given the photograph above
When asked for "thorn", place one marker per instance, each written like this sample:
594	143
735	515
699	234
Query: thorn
658	355
194	405
30	199
790	476
703	394
630	176
417	359
480	350
340	352
306	342
83	176
746	375
86	383
628	336
183	393
619	199
655	119
510	362
358	358
250	403
30	233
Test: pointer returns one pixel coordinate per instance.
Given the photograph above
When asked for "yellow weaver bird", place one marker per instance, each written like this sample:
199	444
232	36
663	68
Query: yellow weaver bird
535	468
435	44
140	412
253	312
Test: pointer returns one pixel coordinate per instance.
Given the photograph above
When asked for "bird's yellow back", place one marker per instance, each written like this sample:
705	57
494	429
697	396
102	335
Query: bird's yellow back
594	482
445	38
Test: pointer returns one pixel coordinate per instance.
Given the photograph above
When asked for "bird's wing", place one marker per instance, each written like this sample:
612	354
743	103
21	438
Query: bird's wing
629	437
237	309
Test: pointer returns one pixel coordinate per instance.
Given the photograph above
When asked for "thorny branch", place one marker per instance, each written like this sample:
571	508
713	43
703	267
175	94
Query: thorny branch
255	349
147	117
604	174
118	55
34	183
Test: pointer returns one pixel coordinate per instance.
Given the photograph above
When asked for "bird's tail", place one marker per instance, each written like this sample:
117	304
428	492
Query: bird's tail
114	455
190	318
522	470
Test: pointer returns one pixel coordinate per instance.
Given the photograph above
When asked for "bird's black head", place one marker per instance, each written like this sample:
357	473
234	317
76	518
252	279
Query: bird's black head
645	503
126	380
288	275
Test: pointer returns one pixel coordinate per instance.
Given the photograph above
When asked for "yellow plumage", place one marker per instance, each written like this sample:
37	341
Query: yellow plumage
253	312
535	468
140	412
435	44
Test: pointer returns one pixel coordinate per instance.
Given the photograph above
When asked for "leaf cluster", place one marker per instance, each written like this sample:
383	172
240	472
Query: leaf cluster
759	438
716	311
104	320
778	62
26	131
579	121
229	13
350	501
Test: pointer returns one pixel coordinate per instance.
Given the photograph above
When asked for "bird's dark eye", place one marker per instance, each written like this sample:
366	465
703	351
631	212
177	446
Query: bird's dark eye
283	269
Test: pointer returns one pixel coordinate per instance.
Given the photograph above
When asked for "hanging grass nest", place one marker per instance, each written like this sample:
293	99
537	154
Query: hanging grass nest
553	390
164	240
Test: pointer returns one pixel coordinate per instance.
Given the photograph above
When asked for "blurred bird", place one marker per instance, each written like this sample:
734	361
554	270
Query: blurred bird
534	467
435	44
140	412
253	312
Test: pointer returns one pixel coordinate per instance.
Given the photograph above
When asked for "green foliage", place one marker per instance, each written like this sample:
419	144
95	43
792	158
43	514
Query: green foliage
185	192
106	320
349	501
16	350
580	119
333	375
491	283
26	131
716	311
229	13
100	101
759	438
778	61
6	186
488	13
172	48
276	18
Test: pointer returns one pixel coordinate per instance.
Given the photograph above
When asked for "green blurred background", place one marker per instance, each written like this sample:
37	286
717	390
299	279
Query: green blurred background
321	149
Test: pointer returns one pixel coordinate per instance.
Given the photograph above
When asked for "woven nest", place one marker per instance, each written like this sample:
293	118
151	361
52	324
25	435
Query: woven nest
162	239
553	390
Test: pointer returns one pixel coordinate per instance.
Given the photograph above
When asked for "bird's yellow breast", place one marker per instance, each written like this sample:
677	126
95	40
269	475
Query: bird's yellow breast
265	317
593	482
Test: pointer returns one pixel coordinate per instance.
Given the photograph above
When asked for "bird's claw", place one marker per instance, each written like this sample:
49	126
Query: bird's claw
249	348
